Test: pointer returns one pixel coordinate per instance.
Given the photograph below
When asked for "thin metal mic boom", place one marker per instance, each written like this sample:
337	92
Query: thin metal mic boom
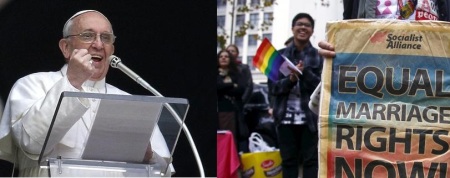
116	62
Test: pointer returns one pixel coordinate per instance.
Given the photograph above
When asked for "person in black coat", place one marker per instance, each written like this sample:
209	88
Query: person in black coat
230	88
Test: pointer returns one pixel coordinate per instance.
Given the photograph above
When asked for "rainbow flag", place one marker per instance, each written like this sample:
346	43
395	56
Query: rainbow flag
268	60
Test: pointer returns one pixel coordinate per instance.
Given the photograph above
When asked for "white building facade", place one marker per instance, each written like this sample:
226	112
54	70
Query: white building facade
282	12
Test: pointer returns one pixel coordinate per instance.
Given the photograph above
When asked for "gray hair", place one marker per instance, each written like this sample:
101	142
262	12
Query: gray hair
68	25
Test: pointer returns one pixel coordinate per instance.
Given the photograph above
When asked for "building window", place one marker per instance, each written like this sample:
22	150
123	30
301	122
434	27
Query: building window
268	36
254	20
241	2
250	62
254	2
268	17
240	20
252	40
221	21
221	3
239	41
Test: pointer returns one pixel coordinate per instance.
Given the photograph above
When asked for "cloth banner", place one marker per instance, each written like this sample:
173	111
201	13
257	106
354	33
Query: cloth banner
227	156
385	100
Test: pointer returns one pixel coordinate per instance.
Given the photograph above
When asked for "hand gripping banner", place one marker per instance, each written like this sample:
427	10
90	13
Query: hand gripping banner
385	100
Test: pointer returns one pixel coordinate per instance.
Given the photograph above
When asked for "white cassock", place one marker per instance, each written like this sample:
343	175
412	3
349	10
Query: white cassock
28	114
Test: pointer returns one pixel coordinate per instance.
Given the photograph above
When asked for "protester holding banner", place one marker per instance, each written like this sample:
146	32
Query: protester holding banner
297	125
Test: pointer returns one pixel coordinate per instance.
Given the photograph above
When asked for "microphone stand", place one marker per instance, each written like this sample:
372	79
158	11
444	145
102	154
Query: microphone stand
115	61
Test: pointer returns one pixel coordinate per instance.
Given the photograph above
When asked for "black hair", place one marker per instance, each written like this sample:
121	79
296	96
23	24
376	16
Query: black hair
303	15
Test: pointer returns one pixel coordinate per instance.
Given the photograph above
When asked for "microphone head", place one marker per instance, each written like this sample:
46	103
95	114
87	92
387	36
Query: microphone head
114	61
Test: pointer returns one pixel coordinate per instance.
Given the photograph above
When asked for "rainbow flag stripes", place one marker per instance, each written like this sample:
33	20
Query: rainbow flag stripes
268	60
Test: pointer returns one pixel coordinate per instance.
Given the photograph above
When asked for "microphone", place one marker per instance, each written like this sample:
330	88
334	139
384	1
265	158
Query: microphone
116	62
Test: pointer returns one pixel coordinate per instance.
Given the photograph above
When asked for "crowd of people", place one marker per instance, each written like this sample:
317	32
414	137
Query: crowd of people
296	126
296	123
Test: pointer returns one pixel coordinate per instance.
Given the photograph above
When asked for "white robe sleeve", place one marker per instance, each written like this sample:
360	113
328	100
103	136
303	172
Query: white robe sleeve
32	109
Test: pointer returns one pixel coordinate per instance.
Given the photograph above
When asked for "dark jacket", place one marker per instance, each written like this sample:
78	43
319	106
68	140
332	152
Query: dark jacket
366	9
229	95
279	90
244	69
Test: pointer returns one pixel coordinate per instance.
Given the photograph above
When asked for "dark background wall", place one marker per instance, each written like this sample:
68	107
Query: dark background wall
170	44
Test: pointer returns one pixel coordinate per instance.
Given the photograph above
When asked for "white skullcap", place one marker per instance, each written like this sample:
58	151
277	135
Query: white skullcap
79	13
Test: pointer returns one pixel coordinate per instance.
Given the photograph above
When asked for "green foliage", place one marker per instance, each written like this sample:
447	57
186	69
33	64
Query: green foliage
241	31
222	40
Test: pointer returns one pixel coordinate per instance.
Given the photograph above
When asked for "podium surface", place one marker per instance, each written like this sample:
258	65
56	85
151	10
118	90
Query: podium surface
118	136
